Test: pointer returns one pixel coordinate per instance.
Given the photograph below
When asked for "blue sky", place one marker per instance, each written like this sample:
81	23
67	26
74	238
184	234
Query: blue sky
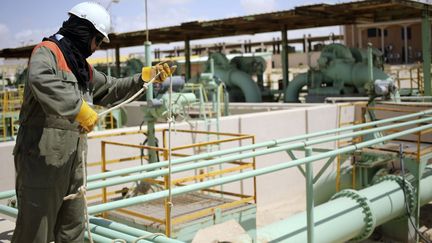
25	22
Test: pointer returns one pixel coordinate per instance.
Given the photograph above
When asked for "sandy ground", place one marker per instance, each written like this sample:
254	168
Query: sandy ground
6	230
231	230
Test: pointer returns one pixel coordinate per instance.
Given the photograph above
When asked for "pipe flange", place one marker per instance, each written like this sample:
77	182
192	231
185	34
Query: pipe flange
408	188
369	218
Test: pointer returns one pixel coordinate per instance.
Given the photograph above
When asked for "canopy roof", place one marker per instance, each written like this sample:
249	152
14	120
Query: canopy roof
318	15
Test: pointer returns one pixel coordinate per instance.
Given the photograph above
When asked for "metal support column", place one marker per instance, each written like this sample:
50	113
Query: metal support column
117	61
426	53
304	44
187	59
359	35
353	39
284	57
309	198
370	62
151	131
309	50
147	50
108	62
382	39
405	31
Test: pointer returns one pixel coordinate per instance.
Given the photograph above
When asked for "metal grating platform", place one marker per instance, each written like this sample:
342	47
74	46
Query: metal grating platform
183	205
411	149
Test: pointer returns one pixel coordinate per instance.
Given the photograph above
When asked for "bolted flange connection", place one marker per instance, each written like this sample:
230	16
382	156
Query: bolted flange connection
364	203
405	185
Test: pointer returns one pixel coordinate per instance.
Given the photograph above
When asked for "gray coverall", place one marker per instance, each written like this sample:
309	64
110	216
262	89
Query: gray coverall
48	149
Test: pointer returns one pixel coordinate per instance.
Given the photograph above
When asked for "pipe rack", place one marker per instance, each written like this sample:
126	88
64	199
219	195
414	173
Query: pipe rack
356	200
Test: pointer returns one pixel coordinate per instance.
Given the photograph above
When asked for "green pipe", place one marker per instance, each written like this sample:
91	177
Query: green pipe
309	198
116	181
323	169
98	238
150	125
105	232
342	219
292	92
249	147
248	174
153	174
7	194
325	187
370	63
9	211
147	50
131	231
232	76
245	83
101	229
11	193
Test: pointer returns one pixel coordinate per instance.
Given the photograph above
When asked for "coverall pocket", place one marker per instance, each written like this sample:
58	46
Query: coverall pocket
34	172
56	145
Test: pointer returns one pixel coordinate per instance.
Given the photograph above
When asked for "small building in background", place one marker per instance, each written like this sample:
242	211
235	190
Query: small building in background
400	41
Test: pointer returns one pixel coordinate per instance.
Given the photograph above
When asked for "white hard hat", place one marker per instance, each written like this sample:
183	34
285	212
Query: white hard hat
96	14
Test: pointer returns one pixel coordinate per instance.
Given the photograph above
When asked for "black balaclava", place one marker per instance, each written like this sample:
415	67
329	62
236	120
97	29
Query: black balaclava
76	46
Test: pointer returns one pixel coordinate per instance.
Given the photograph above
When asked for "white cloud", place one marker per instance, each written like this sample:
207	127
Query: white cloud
258	6
157	18
176	2
32	36
5	38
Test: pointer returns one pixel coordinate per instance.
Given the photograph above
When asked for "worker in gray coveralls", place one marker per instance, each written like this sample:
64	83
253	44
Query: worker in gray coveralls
57	108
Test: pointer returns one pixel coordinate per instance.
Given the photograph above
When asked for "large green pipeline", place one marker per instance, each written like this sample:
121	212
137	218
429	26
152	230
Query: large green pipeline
343	218
325	187
248	174
237	78
243	81
292	92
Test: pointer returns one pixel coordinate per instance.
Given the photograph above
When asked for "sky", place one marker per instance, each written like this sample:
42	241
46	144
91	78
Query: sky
26	22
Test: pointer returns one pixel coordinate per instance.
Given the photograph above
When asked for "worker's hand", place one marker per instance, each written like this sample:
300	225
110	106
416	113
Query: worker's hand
163	68
87	117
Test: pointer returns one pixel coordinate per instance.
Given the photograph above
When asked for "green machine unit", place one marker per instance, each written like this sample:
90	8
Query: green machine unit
341	71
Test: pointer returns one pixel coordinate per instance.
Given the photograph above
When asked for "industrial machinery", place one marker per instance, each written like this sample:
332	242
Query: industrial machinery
236	76
341	71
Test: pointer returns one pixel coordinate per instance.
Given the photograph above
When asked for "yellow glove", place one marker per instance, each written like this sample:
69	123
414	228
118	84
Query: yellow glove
147	73
87	117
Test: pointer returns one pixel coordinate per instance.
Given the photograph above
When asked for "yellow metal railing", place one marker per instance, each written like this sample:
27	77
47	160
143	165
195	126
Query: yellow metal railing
411	76
339	143
420	144
237	198
11	101
416	138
